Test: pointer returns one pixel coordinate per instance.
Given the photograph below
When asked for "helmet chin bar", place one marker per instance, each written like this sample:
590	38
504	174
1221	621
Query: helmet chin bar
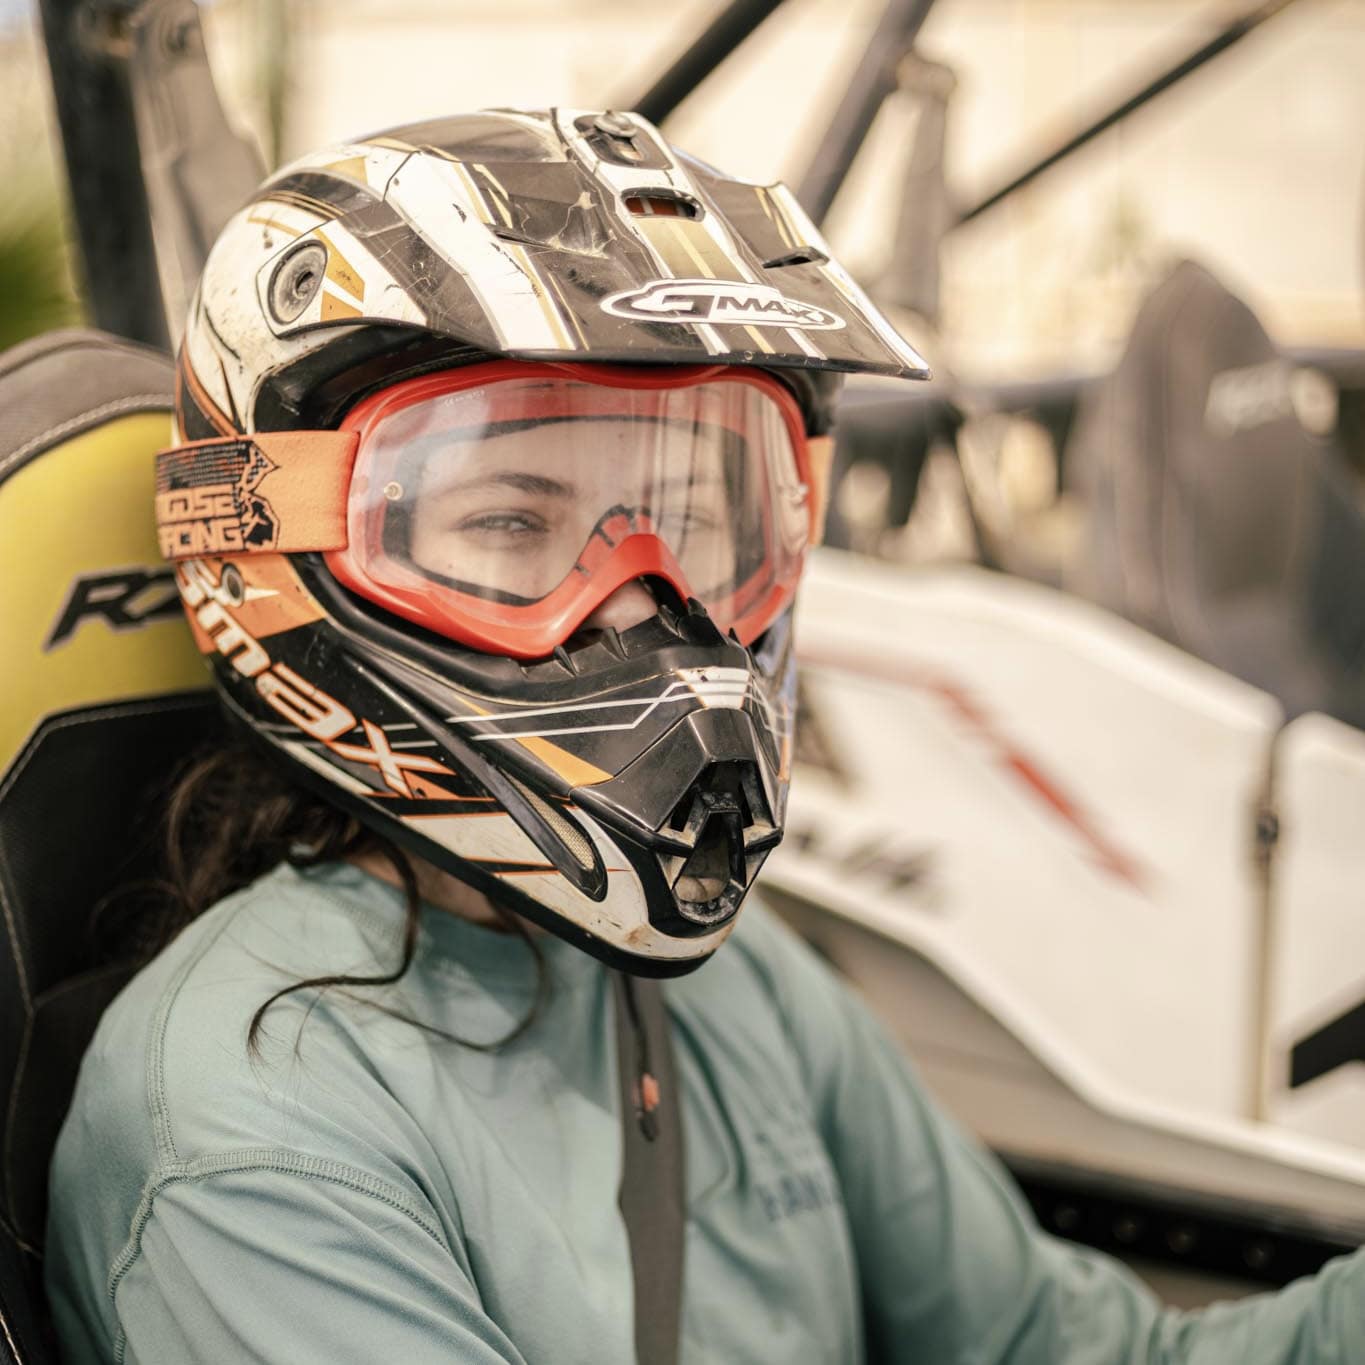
651	853
640	951
695	811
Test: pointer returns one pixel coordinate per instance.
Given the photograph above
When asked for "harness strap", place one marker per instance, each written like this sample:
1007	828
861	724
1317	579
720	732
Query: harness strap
652	1197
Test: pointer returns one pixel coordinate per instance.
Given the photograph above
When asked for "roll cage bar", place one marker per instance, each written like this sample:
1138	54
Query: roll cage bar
155	169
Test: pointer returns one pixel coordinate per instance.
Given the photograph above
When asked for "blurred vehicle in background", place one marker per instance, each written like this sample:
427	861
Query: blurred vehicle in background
1100	874
1117	863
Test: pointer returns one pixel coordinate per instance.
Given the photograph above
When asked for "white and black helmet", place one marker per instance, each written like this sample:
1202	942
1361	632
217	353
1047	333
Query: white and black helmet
445	389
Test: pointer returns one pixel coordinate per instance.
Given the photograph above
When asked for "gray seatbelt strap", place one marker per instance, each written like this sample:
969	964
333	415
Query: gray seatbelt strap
652	1196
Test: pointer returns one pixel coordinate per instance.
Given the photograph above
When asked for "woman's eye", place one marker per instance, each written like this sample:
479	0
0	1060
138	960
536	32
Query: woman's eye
504	523
697	521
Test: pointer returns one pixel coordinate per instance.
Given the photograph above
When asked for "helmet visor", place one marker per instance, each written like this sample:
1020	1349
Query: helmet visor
501	503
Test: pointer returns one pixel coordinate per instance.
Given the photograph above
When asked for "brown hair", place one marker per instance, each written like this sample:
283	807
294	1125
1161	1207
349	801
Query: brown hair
242	814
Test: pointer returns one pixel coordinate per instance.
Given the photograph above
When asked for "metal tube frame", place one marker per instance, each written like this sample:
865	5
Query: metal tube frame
87	43
873	80
712	46
1231	34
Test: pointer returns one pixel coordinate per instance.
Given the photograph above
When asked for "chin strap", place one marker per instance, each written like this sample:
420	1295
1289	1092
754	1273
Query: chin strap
652	1197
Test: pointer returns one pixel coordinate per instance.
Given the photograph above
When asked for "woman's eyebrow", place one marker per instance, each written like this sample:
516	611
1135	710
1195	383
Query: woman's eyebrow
521	480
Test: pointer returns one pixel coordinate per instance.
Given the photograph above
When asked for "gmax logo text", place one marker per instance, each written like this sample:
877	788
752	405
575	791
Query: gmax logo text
719	302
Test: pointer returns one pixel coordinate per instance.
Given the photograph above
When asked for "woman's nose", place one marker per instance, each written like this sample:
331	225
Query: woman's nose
630	604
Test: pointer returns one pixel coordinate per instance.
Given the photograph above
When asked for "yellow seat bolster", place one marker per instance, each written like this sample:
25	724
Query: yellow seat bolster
83	509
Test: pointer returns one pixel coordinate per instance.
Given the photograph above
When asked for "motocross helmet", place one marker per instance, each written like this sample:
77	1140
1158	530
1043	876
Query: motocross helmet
442	392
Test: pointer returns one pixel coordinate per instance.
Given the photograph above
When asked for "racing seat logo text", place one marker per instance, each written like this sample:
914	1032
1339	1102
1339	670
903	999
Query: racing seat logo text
122	598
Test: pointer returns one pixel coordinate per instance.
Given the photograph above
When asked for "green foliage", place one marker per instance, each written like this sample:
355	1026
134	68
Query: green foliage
37	291
35	280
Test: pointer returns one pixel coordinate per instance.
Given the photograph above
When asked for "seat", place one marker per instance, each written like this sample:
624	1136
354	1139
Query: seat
1216	520
103	694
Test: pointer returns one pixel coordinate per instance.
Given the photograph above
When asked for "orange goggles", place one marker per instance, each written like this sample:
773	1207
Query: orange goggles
500	504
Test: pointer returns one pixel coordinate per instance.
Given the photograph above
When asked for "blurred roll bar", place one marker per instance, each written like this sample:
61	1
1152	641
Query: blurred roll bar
154	168
716	42
87	53
873	80
1231	34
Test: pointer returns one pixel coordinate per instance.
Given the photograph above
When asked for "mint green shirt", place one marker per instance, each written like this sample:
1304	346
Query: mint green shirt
367	1192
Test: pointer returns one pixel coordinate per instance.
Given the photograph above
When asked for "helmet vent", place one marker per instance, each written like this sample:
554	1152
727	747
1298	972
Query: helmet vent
722	820
707	871
659	205
574	839
296	281
803	255
721	786
620	141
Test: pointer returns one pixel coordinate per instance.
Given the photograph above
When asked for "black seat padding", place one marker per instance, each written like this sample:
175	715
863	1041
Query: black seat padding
1215	519
63	383
103	695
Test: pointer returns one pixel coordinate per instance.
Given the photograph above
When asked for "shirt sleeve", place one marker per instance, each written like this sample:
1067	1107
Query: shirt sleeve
953	1266
280	1267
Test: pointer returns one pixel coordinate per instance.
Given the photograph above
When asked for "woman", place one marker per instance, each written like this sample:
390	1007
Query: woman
503	438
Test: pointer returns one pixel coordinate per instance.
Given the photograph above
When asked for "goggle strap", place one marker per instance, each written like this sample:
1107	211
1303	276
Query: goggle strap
275	492
820	457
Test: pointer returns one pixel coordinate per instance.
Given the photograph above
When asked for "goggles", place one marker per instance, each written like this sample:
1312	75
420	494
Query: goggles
500	504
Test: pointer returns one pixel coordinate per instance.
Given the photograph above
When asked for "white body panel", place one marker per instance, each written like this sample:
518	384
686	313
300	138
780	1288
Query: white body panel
1028	832
1082	798
1318	930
